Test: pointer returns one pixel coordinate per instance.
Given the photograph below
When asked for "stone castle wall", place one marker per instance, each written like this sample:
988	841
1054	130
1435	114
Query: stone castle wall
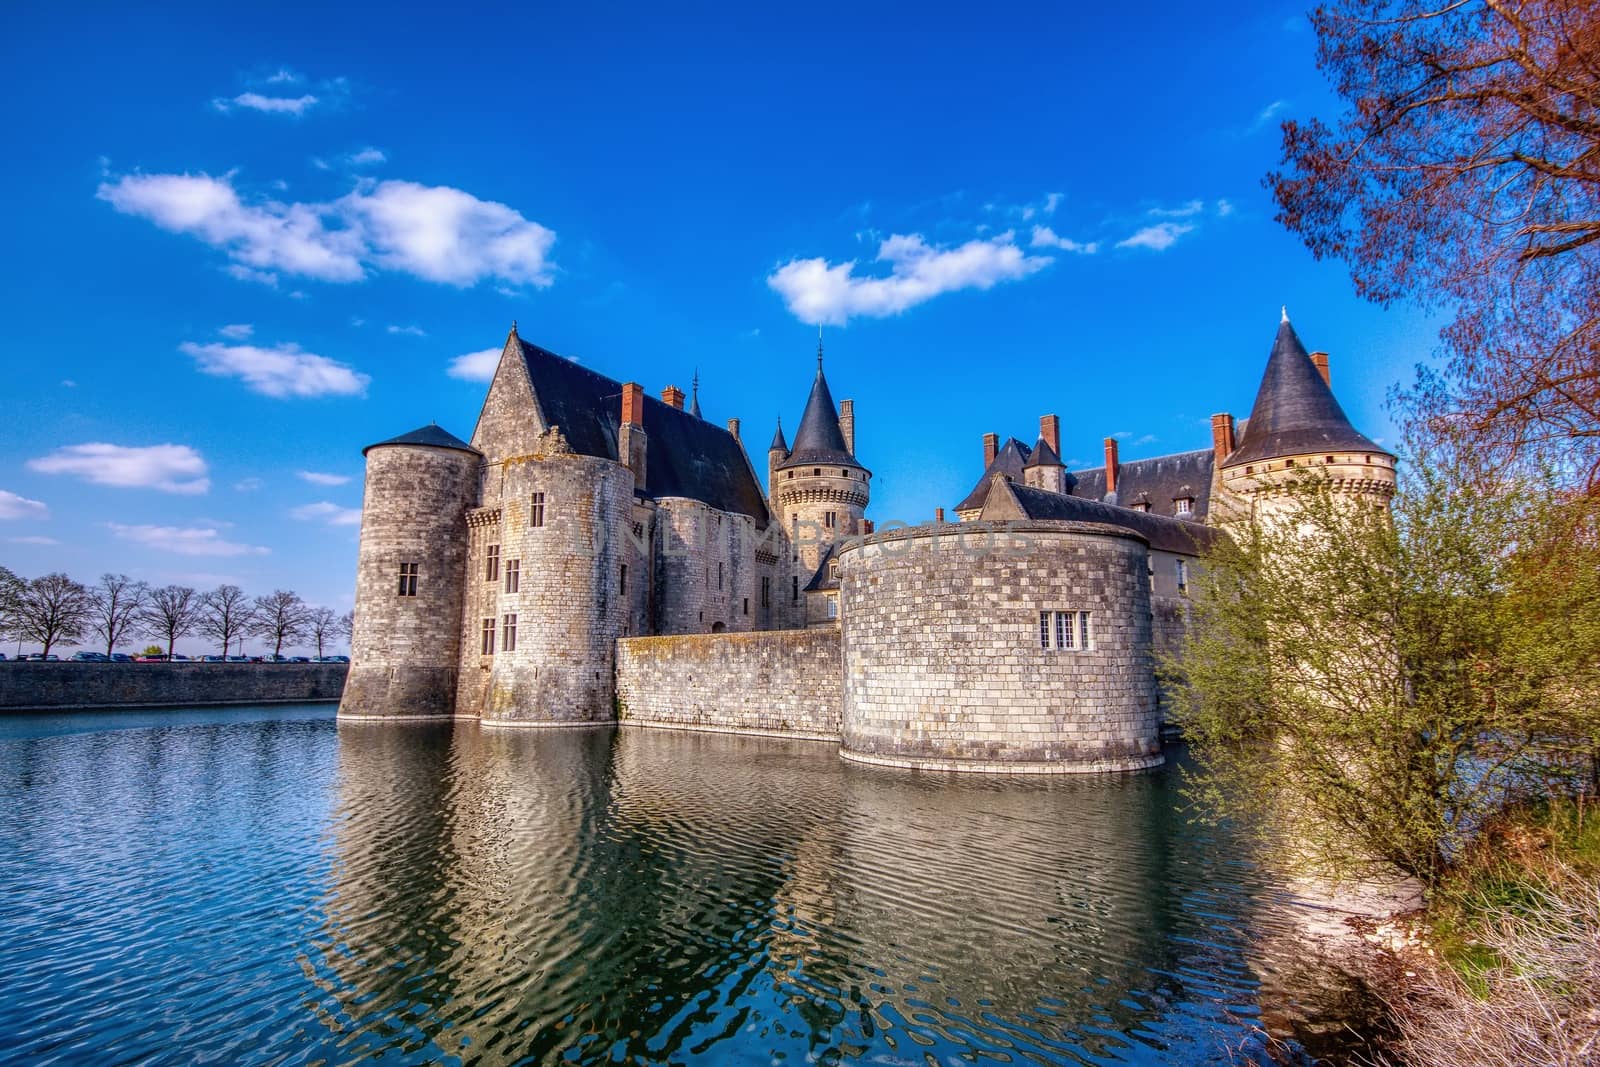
782	682
63	686
944	666
405	649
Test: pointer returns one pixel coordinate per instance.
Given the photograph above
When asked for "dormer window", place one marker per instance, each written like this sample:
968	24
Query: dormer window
1142	505
1185	505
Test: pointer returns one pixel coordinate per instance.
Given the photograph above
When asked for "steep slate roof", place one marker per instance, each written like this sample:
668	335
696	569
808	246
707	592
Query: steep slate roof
1295	411
1043	456
1158	480
819	439
778	443
824	578
431	436
1167	534
686	456
1011	459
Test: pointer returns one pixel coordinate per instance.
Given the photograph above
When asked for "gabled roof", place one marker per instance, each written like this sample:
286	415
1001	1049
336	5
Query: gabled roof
1295	412
1166	534
1159	481
685	456
1043	456
1011	459
430	436
819	440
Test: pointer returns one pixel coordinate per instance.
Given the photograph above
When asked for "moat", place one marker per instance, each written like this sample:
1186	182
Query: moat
261	886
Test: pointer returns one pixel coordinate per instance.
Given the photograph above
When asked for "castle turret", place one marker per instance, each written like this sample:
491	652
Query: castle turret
410	576
1297	425
821	492
777	452
1044	469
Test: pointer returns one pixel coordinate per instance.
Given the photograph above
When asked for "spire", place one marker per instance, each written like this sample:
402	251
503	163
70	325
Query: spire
819	348
1295	412
694	404
819	440
1285	320
778	442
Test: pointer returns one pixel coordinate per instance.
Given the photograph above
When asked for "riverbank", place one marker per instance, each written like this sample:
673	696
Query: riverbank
27	687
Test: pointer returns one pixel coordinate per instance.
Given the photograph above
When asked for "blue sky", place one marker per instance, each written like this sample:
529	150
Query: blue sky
245	241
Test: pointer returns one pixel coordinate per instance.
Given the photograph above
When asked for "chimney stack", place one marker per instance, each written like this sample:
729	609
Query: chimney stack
1222	437
1050	430
631	439
847	424
1319	360
672	396
938	514
733	428
991	445
1111	470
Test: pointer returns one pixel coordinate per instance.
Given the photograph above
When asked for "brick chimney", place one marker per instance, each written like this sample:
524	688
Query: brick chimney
1112	467
1050	430
733	428
672	396
631	439
991	445
847	424
1222	437
1319	360
938	514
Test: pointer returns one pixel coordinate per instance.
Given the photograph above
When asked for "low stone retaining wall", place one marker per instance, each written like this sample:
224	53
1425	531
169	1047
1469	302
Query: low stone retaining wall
787	683
67	686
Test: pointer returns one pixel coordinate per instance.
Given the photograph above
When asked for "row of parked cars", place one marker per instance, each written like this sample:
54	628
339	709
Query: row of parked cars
123	657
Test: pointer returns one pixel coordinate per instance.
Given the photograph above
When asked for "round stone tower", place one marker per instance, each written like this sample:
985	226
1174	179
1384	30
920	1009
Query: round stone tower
1296	427
410	576
819	489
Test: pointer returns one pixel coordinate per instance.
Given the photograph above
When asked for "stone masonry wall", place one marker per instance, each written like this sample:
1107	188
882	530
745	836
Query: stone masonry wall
784	682
945	667
165	685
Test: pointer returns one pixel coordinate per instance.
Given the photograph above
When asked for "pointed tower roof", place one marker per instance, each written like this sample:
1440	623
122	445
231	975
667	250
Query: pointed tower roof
819	440
430	436
1043	456
779	444
694	402
1295	412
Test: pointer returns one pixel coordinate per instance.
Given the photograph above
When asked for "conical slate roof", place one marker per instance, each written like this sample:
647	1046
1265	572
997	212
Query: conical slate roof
778	443
818	440
1295	412
1043	456
430	436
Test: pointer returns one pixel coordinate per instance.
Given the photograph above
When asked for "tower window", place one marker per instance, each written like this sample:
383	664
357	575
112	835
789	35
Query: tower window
795	597
488	636
491	563
408	579
1330	459
1288	463
719	575
816	472
622	580
1182	570
513	575
833	607
536	510
747	605
829	518
508	633
1249	470
1072	631
766	591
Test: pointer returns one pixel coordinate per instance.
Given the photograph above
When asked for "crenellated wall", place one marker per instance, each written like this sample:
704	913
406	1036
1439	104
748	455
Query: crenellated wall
783	682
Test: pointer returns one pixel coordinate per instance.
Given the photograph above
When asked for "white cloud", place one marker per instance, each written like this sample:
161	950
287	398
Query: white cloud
68	383
1158	238
284	76
237	331
281	371
1051	202
1193	207
1268	113
272	105
475	366
1224	208
13	506
1147	439
436	233
367	157
319	478
184	540
169	468
34	540
332	514
816	291
249	274
410	331
1045	237
248	485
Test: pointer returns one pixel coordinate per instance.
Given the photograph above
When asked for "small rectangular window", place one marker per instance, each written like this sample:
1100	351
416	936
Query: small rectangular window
1183	577
1044	630
491	563
536	510
488	637
766	591
513	575
833	608
747	605
719	575
408	579
1083	631
508	633
795	598
828	519
1066	634
1184	505
622	580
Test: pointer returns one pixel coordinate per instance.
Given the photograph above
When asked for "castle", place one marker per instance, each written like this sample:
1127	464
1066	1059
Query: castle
595	555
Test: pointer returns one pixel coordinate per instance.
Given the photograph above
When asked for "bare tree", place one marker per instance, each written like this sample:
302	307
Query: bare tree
347	625
11	588
322	625
226	613
1465	175
114	608
280	618
170	612
52	609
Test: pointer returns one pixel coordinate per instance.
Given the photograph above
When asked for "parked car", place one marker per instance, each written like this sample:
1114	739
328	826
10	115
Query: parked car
179	657
40	657
213	659
239	659
162	658
89	657
332	659
299	659
121	657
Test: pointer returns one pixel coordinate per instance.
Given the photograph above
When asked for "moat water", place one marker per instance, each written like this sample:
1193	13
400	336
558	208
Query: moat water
261	886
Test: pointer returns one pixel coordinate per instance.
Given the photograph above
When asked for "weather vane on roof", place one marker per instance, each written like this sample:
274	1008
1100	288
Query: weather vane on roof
1285	313
819	346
